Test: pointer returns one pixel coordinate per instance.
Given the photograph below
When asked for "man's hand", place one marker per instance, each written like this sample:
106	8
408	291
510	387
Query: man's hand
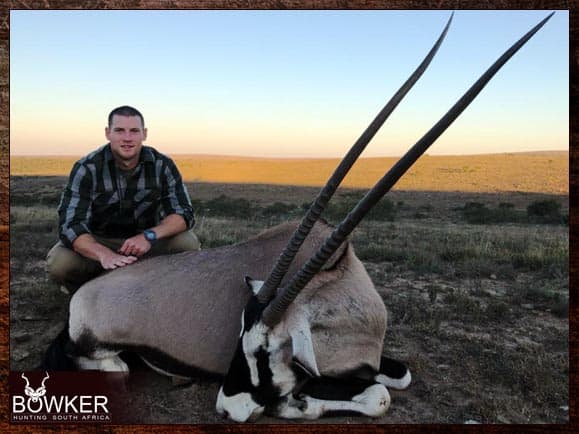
88	247
135	246
113	260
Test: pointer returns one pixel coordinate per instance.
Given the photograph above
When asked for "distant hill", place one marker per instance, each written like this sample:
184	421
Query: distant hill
541	172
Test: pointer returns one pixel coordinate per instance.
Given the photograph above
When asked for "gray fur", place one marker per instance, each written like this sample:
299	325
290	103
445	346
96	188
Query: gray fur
188	305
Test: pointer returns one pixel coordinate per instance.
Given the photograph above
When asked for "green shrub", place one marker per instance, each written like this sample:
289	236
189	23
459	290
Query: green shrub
384	210
35	199
475	212
478	213
374	252
229	207
546	211
278	209
544	208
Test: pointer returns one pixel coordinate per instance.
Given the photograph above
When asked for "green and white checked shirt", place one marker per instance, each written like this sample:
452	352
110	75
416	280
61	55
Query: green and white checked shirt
103	200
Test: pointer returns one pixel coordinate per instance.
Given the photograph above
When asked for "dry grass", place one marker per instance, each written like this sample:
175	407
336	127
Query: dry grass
541	172
478	311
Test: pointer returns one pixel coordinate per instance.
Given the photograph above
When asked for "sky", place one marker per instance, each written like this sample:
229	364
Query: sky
284	83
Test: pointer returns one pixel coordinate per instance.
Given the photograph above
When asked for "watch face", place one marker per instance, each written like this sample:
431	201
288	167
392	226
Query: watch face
150	235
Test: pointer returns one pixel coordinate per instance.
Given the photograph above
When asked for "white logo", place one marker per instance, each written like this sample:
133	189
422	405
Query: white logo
33	394
36	406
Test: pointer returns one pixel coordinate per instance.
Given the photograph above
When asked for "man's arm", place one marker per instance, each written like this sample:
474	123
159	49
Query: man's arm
88	247
138	245
177	208
75	214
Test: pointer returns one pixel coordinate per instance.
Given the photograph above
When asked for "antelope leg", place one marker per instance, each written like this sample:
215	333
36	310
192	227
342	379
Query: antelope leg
329	395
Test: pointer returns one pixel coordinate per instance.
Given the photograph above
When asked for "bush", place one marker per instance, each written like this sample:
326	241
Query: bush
374	252
478	213
278	209
51	199
229	207
543	211
384	210
546	211
544	208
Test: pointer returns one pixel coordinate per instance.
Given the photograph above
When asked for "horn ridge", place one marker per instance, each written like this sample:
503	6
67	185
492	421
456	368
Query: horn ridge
280	269
274	311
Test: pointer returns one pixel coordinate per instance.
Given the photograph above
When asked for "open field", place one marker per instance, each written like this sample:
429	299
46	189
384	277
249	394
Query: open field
540	172
478	311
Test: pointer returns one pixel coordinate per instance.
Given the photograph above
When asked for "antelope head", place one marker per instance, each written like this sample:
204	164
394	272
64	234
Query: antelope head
260	373
35	394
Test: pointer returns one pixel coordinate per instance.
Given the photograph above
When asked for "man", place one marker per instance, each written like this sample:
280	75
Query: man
122	202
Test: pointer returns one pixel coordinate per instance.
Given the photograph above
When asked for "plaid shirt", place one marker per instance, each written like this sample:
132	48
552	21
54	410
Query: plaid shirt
100	199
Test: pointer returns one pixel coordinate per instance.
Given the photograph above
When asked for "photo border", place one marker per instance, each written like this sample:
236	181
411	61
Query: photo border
5	9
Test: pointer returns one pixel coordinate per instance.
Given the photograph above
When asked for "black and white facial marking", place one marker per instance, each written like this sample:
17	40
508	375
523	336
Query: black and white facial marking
257	376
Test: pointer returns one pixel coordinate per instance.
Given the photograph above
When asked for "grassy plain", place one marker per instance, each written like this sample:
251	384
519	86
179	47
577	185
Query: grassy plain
540	172
478	311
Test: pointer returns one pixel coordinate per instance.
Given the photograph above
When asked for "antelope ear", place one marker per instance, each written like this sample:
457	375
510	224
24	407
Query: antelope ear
303	350
253	285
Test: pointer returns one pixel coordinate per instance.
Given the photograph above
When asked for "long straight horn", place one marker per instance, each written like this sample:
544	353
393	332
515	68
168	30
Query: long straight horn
274	311
283	263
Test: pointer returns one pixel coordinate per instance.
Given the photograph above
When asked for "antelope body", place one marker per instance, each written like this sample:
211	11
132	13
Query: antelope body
181	312
309	344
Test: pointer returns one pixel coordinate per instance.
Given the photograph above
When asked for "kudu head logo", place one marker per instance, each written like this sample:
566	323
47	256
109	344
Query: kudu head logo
35	394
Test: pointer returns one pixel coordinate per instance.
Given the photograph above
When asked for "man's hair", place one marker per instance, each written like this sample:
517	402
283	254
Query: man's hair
126	110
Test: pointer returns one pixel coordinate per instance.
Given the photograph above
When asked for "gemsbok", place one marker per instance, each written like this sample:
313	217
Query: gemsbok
311	336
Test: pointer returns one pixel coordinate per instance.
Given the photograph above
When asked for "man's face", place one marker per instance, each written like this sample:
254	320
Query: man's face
126	135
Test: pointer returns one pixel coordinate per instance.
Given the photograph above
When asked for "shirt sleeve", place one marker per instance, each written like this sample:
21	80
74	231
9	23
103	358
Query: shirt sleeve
74	210
175	198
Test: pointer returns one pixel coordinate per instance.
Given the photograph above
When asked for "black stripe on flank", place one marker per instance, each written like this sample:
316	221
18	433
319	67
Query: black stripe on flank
166	363
87	344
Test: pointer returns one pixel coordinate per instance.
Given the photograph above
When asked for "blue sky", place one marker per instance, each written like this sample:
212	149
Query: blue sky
284	83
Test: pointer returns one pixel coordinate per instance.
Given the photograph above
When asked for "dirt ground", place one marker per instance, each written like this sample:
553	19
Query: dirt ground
477	352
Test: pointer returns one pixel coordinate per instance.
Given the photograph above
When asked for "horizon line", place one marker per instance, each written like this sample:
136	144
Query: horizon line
193	154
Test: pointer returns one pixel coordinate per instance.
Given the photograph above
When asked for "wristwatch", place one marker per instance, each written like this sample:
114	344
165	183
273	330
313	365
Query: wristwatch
150	235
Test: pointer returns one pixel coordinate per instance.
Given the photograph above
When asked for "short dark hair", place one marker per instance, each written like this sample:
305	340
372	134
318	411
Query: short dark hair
126	110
